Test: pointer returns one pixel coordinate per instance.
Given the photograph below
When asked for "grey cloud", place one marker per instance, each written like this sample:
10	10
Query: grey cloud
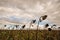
31	9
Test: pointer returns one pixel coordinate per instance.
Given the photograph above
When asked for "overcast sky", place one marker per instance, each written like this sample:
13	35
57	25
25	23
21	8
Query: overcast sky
18	11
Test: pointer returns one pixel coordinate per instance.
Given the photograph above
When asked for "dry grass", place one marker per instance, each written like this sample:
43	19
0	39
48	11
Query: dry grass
23	35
